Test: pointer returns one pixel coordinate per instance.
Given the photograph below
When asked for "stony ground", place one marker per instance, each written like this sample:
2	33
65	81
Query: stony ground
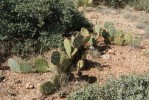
118	60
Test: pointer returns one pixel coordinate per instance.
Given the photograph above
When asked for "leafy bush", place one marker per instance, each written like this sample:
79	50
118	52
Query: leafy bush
113	3
24	23
126	88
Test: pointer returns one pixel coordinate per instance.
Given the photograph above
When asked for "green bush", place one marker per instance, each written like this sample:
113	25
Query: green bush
126	88
113	3
26	22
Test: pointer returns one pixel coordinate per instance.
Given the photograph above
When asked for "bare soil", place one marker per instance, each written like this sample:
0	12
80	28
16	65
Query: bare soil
117	61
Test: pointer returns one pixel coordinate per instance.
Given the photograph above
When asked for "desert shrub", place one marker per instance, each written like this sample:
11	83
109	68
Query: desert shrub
113	3
24	24
141	5
126	88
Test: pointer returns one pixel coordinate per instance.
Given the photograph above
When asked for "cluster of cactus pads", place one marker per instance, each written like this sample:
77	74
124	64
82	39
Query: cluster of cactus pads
18	65
113	36
63	60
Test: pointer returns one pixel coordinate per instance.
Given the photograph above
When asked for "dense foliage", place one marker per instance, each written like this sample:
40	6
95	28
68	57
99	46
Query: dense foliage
28	25
126	88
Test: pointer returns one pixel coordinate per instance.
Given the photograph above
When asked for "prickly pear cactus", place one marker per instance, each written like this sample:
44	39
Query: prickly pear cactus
119	33
21	67
80	65
60	60
119	41
57	57
85	32
105	34
41	65
78	41
67	46
92	40
128	39
26	67
107	24
64	65
14	65
47	88
112	31
97	30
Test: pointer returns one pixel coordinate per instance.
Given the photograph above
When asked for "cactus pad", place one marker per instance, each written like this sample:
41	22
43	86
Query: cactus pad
41	65
47	88
85	32
67	46
78	41
119	41
128	39
111	29
26	67
107	24
14	65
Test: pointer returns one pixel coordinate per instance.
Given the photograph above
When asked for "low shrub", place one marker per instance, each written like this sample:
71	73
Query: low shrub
25	23
141	5
112	3
126	88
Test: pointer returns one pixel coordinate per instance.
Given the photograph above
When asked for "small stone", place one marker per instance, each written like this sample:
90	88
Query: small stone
30	86
2	78
111	52
106	57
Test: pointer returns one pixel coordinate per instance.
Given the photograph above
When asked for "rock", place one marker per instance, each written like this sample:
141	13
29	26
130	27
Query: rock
111	52
106	56
1	78
30	86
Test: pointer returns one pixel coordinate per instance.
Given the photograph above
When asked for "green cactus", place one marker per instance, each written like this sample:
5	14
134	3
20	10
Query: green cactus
119	41
72	40
67	46
119	33
107	24
60	60
112	31
106	36
26	67
47	88
78	41
92	40
41	65
80	65
14	65
64	65
21	67
85	32
57	57
128	39
56	80
97	30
